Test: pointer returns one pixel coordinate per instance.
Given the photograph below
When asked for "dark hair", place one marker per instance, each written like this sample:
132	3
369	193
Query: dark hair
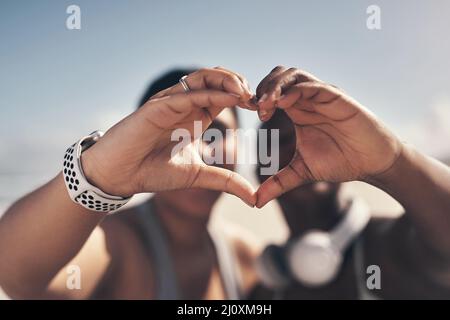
166	80
169	79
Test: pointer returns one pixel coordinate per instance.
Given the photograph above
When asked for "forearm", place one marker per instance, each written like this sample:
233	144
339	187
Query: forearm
422	185
39	234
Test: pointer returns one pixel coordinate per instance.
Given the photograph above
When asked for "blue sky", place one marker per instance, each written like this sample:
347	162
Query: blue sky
58	84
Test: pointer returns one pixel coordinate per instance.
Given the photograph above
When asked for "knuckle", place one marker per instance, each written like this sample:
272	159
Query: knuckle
259	89
276	178
204	71
236	78
279	67
232	78
301	72
272	83
231	175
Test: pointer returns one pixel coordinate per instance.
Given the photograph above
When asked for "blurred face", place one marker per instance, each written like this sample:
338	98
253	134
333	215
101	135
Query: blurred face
197	202
312	192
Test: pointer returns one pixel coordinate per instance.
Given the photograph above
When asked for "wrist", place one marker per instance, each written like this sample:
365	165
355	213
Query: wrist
397	171
88	188
96	174
65	201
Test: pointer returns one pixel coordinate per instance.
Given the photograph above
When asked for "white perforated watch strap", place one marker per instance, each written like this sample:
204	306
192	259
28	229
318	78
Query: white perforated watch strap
80	190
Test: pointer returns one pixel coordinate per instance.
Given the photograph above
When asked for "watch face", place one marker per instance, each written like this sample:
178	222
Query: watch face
91	140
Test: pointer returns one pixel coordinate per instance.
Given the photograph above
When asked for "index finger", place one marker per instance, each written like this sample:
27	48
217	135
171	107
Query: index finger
282	82
165	112
216	78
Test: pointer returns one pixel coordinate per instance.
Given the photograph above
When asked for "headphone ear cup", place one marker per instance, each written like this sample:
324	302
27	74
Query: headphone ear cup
272	268
313	260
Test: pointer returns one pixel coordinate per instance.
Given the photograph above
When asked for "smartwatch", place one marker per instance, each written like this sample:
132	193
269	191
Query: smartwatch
80	190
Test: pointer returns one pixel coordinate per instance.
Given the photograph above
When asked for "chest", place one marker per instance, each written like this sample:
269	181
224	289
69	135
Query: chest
135	277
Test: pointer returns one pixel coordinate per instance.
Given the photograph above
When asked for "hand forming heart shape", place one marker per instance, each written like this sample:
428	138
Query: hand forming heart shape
337	139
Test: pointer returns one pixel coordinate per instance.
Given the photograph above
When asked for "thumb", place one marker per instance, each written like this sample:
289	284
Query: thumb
288	178
215	178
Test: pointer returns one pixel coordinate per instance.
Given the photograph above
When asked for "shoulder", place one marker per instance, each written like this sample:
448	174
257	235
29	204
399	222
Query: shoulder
409	267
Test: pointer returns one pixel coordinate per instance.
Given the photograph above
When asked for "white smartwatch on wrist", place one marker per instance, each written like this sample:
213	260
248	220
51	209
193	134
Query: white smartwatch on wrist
79	188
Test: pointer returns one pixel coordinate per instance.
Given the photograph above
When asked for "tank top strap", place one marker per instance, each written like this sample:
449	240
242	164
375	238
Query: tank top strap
228	264
155	240
166	280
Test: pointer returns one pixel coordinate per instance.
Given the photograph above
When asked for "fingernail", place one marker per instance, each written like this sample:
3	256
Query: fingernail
260	205
263	98
251	205
262	114
253	101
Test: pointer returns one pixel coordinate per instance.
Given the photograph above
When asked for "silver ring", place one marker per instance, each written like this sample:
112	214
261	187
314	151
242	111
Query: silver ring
184	83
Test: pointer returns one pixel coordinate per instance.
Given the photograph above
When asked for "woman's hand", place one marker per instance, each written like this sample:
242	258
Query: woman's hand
135	155
337	138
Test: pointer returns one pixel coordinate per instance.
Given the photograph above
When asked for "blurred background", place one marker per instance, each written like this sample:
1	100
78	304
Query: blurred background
58	84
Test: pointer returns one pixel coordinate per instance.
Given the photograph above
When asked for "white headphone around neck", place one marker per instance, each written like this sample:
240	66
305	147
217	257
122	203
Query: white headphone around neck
315	258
